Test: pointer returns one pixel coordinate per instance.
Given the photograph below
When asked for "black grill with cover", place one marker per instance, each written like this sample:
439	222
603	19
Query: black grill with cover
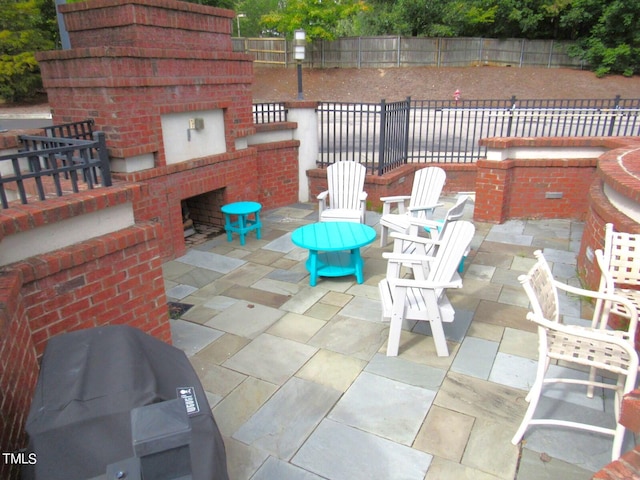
81	423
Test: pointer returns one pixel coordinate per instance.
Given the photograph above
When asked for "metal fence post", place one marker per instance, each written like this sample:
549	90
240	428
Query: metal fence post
105	167
406	131
616	106
383	131
510	123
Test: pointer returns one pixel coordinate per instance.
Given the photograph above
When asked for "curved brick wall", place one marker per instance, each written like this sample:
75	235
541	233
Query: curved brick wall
614	197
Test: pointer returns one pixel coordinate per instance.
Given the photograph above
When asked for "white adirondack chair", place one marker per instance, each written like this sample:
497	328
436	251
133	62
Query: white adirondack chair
434	228
425	192
345	200
423	297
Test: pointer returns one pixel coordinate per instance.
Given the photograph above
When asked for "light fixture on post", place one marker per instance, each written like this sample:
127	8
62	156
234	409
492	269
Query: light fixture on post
238	17
299	40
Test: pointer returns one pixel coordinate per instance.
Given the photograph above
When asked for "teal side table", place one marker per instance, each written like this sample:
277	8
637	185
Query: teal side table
243	223
339	243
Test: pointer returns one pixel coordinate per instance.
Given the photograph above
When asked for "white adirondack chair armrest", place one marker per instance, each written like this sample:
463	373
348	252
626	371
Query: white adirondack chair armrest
424	222
322	201
395	198
414	238
406	258
608	336
410	282
388	202
363	196
627	304
420	208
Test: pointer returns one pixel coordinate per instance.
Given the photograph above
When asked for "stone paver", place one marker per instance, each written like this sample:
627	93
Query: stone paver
396	415
284	422
444	433
301	386
336	451
271	358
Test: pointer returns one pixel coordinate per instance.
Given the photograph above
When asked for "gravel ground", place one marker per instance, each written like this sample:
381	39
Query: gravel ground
430	83
420	83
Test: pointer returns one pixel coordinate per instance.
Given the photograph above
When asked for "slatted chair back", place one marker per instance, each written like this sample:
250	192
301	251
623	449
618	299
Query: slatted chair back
619	264
345	199
345	181
453	243
427	186
426	190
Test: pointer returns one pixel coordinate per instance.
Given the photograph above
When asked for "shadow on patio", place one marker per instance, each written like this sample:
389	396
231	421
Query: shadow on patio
301	387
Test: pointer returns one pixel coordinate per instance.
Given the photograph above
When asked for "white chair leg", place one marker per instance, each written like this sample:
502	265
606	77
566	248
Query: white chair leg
618	438
383	235
533	397
395	329
592	378
439	339
395	324
533	403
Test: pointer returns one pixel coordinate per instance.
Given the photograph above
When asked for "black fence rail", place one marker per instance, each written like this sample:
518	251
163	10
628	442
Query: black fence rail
269	113
448	131
82	130
350	131
49	166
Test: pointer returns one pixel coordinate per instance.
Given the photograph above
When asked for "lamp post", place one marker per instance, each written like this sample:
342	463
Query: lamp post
299	39
238	17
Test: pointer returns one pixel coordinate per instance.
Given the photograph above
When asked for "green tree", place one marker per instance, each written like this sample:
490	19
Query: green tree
320	19
253	11
23	31
612	44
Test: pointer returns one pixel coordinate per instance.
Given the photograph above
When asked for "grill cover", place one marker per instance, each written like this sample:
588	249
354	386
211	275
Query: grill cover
89	382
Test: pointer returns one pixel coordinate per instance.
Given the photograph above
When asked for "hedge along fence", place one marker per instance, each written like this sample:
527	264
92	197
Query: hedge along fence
394	51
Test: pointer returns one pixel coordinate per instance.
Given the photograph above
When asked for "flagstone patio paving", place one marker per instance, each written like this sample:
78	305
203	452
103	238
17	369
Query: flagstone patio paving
301	388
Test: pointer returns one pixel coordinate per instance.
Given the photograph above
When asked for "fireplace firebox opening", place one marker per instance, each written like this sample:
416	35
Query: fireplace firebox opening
202	218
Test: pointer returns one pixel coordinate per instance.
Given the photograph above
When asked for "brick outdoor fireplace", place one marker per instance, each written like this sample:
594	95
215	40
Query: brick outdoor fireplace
161	79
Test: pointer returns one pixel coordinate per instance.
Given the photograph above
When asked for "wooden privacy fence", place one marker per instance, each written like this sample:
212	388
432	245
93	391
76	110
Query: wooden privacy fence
395	51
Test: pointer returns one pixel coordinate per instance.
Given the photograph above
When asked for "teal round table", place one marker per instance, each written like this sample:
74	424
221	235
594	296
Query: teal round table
339	243
243	224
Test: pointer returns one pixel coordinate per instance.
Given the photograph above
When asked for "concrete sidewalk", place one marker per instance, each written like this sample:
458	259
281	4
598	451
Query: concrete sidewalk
301	387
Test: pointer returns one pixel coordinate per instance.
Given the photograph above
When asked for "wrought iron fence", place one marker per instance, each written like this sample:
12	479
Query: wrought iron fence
448	131
269	112
53	166
79	130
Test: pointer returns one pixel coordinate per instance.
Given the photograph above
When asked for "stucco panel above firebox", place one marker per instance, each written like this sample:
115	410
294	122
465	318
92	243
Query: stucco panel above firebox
189	135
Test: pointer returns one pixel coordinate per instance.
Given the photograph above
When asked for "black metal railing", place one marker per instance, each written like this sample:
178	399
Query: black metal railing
53	166
349	131
82	130
394	134
449	131
269	112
